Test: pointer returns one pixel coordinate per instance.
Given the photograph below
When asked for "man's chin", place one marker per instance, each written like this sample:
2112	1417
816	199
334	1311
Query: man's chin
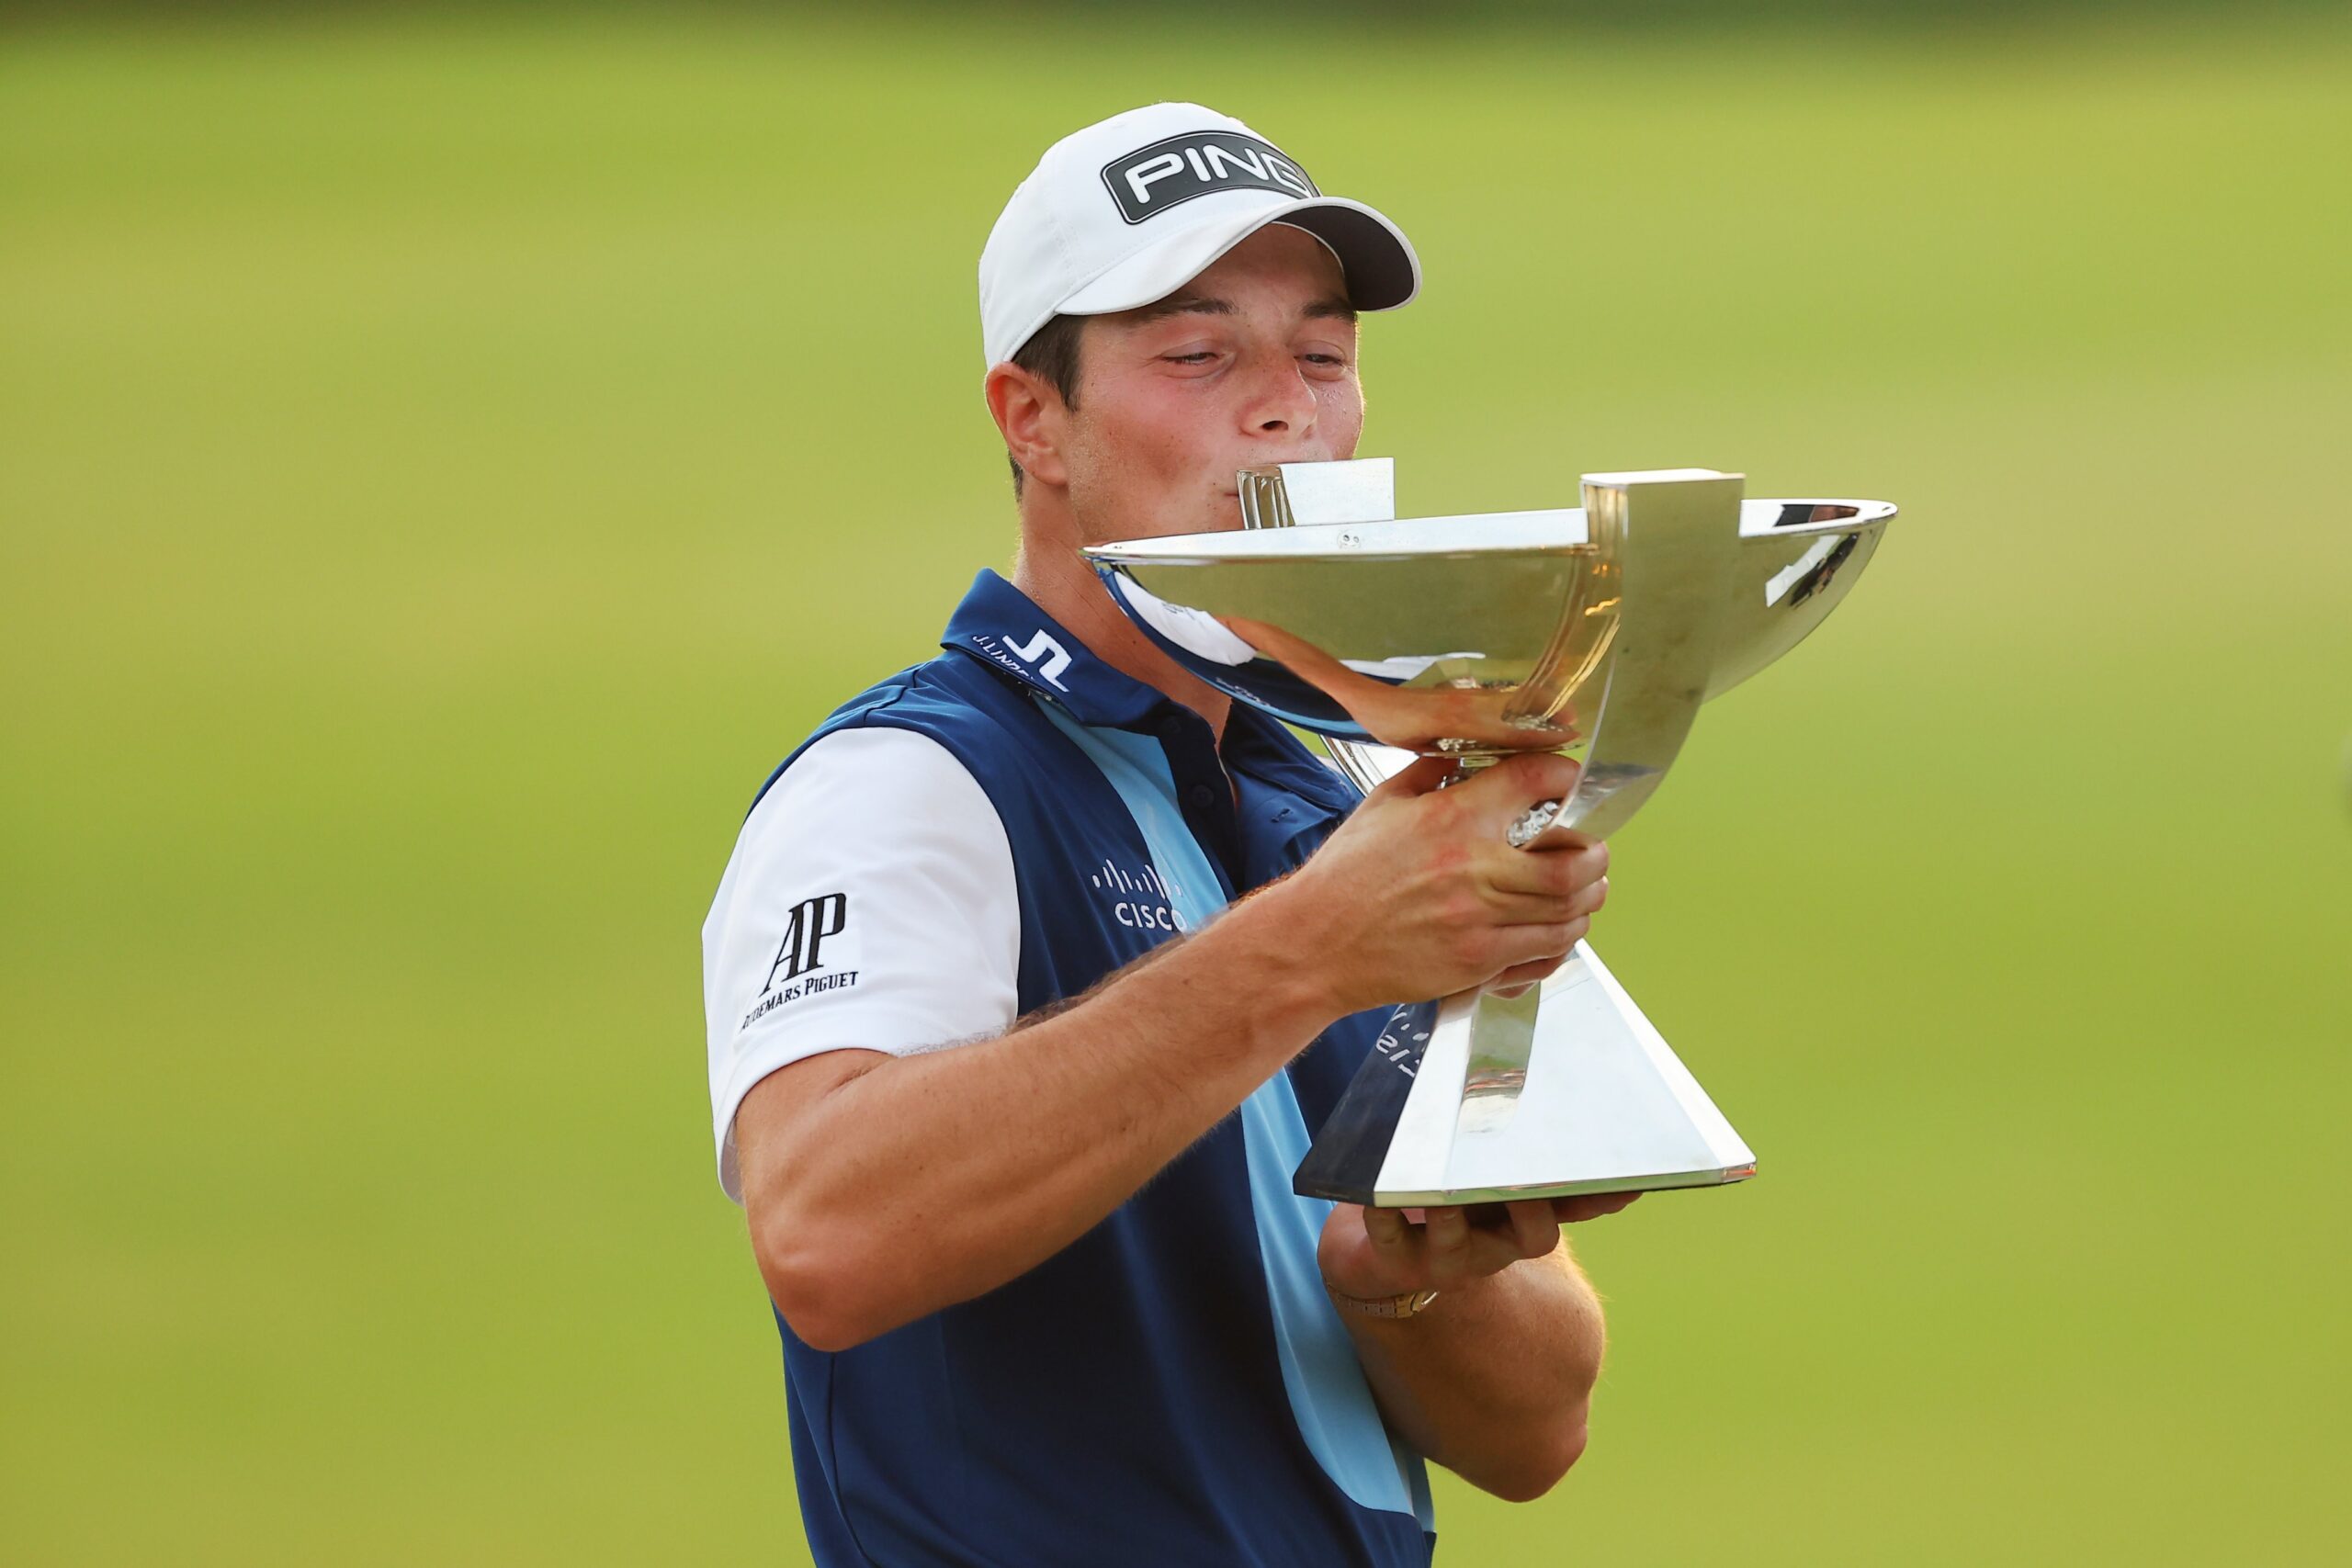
1221	515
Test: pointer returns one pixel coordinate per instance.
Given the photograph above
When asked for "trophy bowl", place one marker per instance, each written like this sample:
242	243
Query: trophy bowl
1468	636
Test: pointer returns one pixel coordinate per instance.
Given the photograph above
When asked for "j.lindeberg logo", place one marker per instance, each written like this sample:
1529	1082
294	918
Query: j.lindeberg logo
1040	656
1170	173
800	969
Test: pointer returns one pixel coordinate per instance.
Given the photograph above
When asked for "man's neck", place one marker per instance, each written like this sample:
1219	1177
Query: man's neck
1059	583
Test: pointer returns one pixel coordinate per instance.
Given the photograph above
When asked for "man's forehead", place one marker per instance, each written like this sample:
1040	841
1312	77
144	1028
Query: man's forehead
1191	300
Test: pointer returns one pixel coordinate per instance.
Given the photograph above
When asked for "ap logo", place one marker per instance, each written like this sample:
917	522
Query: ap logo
811	921
819	954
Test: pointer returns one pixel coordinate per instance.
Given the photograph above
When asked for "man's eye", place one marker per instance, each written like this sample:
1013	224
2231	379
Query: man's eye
1198	356
1324	358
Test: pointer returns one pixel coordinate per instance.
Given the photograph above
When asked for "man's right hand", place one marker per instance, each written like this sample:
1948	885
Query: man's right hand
1419	895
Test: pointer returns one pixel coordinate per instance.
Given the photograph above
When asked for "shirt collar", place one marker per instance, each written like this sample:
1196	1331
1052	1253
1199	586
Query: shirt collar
1003	628
1258	743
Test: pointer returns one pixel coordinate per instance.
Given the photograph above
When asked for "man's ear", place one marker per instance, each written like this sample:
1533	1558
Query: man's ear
1033	420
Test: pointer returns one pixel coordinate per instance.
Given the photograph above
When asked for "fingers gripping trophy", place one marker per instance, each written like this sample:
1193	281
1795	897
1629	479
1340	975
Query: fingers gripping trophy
1596	631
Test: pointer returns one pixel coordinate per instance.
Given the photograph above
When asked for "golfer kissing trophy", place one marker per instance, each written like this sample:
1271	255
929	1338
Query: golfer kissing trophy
1598	629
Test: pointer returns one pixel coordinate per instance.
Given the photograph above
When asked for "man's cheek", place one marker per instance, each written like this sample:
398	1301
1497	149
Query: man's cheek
1342	417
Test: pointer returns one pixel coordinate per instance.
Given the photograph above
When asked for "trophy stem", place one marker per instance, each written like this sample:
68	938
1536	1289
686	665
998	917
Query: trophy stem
1502	1042
1669	595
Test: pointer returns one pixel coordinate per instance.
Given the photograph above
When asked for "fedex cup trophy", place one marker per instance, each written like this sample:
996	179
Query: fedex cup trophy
1600	629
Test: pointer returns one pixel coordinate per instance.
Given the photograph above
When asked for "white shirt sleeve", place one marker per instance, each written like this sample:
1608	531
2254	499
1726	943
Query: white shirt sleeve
870	903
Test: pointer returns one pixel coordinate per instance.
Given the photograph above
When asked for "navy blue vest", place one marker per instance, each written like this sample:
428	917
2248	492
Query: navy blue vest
1171	1388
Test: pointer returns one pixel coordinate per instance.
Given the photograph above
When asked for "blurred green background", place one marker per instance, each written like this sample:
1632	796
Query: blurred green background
444	461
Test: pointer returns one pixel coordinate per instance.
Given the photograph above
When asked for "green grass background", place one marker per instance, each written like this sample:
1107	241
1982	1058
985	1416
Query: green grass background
444	463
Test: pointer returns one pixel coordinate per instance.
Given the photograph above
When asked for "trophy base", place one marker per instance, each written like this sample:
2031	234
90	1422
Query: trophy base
1595	1102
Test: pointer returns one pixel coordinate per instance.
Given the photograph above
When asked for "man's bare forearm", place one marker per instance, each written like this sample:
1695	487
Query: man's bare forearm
1493	1380
898	1185
881	1189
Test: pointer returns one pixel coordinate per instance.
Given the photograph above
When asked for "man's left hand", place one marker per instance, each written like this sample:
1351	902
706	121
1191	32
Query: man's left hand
1390	1252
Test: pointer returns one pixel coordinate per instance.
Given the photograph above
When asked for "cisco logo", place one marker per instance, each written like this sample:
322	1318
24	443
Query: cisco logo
1139	899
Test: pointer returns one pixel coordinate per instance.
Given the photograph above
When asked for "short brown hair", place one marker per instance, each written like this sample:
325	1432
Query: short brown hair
1051	353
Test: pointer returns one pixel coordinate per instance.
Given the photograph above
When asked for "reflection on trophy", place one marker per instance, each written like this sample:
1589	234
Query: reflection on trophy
1598	630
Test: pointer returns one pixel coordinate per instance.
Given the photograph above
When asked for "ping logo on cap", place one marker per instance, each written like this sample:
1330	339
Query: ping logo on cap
1169	173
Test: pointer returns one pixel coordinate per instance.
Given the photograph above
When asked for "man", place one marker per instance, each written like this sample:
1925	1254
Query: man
1036	968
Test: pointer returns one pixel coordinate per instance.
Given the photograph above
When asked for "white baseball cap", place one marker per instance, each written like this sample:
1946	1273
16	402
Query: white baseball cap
1132	208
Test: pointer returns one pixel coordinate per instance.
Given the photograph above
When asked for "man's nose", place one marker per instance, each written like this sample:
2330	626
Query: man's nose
1280	401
